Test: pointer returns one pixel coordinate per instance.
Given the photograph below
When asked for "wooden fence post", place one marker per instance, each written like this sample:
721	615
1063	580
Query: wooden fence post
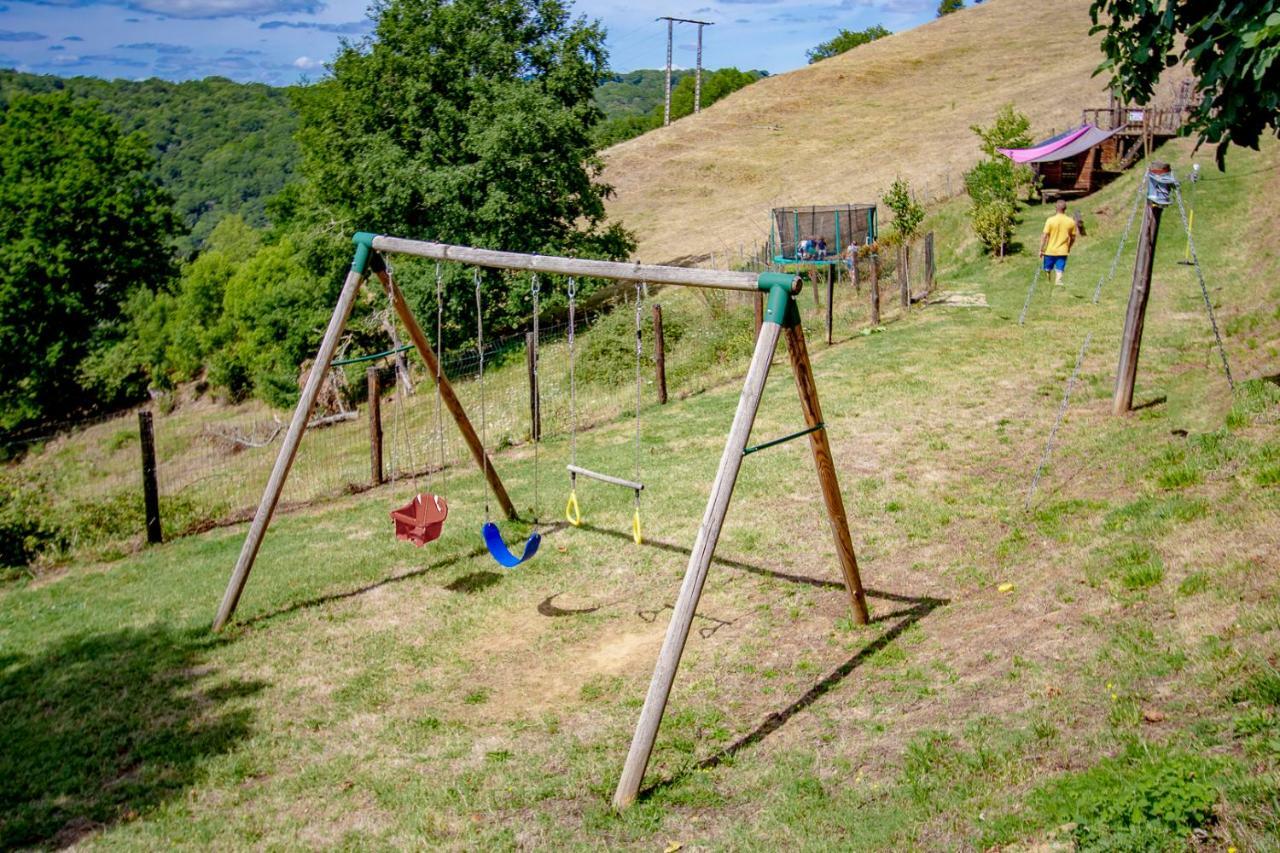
535	400
874	289
1136	315
150	490
904	278
759	304
659	354
374	379
930	264
856	271
831	298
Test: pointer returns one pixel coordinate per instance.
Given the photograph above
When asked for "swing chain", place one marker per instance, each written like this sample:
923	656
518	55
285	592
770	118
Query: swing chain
444	475
573	386
1124	238
1204	290
484	432
635	518
535	289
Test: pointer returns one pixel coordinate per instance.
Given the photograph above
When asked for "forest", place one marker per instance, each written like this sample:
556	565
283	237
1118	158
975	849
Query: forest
197	230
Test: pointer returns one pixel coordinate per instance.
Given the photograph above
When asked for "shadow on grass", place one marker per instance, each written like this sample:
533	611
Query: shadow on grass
477	582
720	561
99	729
919	609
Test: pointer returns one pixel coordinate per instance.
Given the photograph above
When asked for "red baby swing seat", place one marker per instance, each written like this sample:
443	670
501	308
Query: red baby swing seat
421	520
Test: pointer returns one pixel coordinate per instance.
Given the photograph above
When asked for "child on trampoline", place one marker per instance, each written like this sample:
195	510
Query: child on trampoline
1059	236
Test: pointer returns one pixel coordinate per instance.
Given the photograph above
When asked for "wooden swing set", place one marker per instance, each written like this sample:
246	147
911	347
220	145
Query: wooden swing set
781	319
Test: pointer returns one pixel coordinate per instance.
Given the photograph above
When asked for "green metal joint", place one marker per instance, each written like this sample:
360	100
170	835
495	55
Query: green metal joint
781	307
767	281
747	451
364	246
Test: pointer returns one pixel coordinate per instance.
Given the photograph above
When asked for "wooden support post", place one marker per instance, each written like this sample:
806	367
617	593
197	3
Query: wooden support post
831	299
374	380
150	489
825	463
904	276
448	395
1135	317
874	290
856	272
759	306
696	574
535	400
659	355
930	263
288	449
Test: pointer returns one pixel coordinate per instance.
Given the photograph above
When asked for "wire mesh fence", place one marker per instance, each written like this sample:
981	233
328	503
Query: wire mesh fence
213	460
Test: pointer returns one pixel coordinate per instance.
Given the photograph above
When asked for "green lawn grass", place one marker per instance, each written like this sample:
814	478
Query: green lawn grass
1122	693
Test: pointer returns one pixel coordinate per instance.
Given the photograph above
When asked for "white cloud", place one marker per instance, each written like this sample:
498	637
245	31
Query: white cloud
306	63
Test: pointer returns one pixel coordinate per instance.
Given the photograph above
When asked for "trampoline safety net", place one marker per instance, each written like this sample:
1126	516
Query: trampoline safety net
839	225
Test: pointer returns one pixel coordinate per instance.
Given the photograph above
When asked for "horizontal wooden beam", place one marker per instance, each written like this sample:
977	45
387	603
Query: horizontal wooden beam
619	271
604	478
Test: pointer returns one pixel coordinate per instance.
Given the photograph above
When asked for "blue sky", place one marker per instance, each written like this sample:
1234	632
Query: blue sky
283	41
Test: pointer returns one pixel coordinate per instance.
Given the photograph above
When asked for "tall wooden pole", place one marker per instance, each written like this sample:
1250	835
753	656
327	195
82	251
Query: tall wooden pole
831	299
289	448
874	290
535	401
374	381
659	355
1136	315
825	463
664	673
697	79
904	276
447	394
150	488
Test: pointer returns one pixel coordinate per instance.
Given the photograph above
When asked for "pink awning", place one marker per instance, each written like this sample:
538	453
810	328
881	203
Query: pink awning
1045	150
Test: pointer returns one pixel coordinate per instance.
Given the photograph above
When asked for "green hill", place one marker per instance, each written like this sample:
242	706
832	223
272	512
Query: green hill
221	147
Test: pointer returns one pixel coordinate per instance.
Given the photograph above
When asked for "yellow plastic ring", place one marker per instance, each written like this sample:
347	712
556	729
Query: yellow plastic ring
571	512
635	528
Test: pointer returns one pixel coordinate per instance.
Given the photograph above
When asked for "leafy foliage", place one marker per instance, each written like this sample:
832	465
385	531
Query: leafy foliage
220	147
465	122
635	93
846	40
907	213
1149	799
946	7
82	227
1232	49
994	183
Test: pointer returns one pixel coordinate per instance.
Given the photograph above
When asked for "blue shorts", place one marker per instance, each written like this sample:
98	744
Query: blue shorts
1055	262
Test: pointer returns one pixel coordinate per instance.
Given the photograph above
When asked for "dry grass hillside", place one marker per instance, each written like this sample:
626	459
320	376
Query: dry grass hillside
841	130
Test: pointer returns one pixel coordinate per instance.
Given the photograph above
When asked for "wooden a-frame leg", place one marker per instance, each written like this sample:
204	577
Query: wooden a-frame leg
451	401
823	461
664	673
289	449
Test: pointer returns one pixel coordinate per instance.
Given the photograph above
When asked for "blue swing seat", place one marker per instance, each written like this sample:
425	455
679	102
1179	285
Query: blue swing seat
498	548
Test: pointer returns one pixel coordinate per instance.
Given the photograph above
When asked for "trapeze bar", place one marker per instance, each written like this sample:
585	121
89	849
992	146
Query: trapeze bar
605	478
747	451
651	273
374	357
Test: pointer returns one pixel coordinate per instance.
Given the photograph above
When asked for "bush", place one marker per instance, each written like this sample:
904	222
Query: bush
1147	799
26	528
907	213
994	183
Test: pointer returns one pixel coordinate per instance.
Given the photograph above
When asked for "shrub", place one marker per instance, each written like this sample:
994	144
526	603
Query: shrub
26	529
993	184
907	213
1147	799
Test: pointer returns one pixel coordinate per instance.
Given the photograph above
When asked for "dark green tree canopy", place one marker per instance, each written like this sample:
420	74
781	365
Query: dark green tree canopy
464	121
946	7
82	226
846	40
1231	48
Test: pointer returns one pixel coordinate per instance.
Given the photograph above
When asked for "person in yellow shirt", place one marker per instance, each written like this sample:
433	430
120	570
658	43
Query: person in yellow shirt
1059	236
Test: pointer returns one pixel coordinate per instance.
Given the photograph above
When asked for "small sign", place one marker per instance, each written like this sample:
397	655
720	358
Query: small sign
1137	115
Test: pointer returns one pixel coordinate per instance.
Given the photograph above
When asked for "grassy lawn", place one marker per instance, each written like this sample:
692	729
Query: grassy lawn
1100	669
